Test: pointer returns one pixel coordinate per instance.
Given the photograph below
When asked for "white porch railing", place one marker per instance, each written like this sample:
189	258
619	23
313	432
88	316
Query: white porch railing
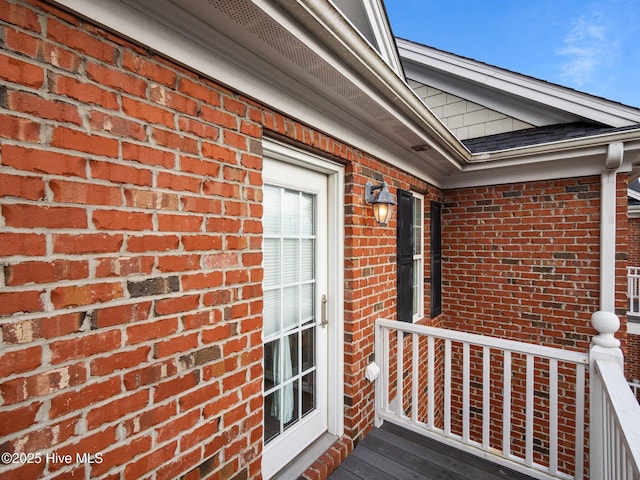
516	404
615	413
633	290
616	455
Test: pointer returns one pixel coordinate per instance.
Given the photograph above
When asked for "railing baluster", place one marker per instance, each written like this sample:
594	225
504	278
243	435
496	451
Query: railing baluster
385	362
486	396
506	405
431	380
580	392
447	387
553	415
400	374
466	374
529	414
633	289
414	377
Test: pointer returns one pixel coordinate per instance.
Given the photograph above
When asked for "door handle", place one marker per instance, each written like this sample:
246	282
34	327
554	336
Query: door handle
323	311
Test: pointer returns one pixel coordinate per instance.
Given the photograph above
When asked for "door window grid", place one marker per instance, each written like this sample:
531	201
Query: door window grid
289	332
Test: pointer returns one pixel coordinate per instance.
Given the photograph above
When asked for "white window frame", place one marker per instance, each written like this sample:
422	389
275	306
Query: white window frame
418	257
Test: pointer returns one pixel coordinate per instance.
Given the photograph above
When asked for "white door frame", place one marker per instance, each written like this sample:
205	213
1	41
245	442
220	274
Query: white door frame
282	152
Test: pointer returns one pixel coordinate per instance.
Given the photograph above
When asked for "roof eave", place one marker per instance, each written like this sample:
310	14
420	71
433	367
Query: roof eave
561	159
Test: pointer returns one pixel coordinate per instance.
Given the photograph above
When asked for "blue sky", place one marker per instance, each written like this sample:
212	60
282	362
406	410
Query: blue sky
589	45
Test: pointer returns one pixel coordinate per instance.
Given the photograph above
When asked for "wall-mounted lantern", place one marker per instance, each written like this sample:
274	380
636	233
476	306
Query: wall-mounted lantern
382	201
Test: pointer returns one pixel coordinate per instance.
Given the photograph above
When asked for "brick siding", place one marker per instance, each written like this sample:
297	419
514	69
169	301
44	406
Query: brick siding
632	354
131	306
130	231
634	242
521	261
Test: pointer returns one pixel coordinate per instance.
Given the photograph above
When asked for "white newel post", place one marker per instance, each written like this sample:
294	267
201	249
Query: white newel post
604	346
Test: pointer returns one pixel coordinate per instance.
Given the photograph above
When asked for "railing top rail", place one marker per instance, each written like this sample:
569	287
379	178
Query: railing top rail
635	270
481	340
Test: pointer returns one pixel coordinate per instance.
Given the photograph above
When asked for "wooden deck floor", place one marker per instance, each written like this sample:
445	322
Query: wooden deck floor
392	452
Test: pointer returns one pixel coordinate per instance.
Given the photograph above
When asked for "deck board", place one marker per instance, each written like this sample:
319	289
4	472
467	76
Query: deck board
394	453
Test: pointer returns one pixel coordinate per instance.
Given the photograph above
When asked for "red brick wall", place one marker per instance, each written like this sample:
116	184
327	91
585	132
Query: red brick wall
531	269
634	242
521	261
632	354
131	235
131	299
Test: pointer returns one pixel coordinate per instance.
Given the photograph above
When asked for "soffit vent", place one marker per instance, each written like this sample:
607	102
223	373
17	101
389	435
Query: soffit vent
290	49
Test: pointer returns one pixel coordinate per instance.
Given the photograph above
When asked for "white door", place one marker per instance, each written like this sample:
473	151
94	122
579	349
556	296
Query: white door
295	288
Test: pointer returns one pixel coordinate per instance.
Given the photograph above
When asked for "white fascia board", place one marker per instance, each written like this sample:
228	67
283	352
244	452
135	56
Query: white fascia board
571	158
633	194
554	96
633	211
518	171
172	32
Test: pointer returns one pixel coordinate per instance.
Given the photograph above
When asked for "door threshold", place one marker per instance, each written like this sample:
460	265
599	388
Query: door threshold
294	469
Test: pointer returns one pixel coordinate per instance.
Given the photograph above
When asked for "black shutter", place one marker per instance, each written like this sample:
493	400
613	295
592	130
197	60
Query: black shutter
405	256
436	259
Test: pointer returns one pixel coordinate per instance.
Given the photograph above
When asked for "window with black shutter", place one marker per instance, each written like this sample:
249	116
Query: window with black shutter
405	255
436	259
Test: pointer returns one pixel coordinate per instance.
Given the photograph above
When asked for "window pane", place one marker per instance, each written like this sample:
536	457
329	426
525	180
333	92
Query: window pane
417	225
417	285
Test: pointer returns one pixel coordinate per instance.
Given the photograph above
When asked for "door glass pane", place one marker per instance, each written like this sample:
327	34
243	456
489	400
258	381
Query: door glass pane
308	352
308	393
271	365
271	262
292	342
306	303
291	213
290	261
289	308
271	421
307	224
271	312
271	215
291	392
307	260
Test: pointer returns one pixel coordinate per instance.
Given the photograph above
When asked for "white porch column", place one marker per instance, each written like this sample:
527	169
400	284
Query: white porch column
604	346
608	227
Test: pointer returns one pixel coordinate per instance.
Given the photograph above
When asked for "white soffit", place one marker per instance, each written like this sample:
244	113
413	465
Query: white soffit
526	98
255	47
